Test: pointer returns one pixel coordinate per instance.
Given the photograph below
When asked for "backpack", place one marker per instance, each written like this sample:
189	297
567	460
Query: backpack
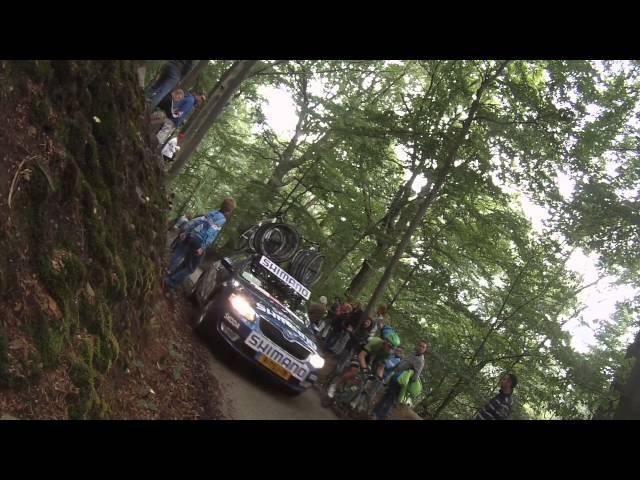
202	226
386	331
410	390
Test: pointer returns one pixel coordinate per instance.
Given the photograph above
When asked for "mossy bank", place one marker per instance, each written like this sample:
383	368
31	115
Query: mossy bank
83	238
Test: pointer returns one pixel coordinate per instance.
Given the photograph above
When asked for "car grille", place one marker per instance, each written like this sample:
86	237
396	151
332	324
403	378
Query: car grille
276	336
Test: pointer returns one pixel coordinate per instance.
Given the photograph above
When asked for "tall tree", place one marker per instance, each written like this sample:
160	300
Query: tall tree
433	186
228	84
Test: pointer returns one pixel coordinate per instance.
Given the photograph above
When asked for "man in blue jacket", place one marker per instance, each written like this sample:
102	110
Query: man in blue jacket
197	237
177	112
170	74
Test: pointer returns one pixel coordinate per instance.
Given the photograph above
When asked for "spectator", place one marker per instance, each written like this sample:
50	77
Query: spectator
378	320
198	235
170	149
327	323
357	337
177	113
170	75
317	311
334	306
338	329
499	407
388	400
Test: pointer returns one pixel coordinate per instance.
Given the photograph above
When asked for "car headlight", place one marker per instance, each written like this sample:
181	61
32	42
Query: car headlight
316	361
242	306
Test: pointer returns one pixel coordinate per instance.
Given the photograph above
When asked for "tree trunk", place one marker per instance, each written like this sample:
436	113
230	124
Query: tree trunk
288	163
368	269
187	82
228	84
361	279
141	71
334	265
453	393
629	406
389	223
192	195
195	121
404	241
414	269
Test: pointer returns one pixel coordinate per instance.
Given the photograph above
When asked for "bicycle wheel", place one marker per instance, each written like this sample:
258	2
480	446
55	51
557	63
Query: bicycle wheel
350	391
277	241
343	361
370	392
306	266
313	269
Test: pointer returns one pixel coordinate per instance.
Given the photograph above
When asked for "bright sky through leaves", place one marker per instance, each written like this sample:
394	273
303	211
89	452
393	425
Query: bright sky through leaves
599	300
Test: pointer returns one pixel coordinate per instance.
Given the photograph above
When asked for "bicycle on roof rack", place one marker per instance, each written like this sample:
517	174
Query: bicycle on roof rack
281	242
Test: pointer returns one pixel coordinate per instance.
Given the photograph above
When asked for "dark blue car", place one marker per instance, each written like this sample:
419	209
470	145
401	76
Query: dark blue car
258	309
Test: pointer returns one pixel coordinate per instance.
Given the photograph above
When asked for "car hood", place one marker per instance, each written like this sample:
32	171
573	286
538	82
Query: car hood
277	314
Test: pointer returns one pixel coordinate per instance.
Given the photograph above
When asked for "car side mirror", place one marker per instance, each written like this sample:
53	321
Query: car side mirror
226	263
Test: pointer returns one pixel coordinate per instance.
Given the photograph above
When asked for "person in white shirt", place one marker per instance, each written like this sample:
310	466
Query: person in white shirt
170	149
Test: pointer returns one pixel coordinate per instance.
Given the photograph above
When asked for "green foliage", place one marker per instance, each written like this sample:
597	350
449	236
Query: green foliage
93	247
50	341
87	404
490	292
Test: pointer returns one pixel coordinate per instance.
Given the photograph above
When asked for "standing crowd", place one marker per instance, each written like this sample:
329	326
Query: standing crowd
371	347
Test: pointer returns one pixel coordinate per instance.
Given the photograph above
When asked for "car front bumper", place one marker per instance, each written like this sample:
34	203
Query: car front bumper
234	330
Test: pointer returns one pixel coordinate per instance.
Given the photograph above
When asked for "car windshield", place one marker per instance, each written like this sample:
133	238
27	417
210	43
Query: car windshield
269	284
247	275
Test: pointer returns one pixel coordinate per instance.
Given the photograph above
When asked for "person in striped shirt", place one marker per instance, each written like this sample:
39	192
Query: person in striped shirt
499	408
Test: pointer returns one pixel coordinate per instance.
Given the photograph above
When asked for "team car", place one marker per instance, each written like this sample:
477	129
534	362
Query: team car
258	309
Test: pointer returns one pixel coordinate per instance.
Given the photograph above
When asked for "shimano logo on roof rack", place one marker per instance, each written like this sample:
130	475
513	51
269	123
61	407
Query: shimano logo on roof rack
285	277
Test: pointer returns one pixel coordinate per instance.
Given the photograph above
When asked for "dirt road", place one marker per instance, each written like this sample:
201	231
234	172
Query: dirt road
250	396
